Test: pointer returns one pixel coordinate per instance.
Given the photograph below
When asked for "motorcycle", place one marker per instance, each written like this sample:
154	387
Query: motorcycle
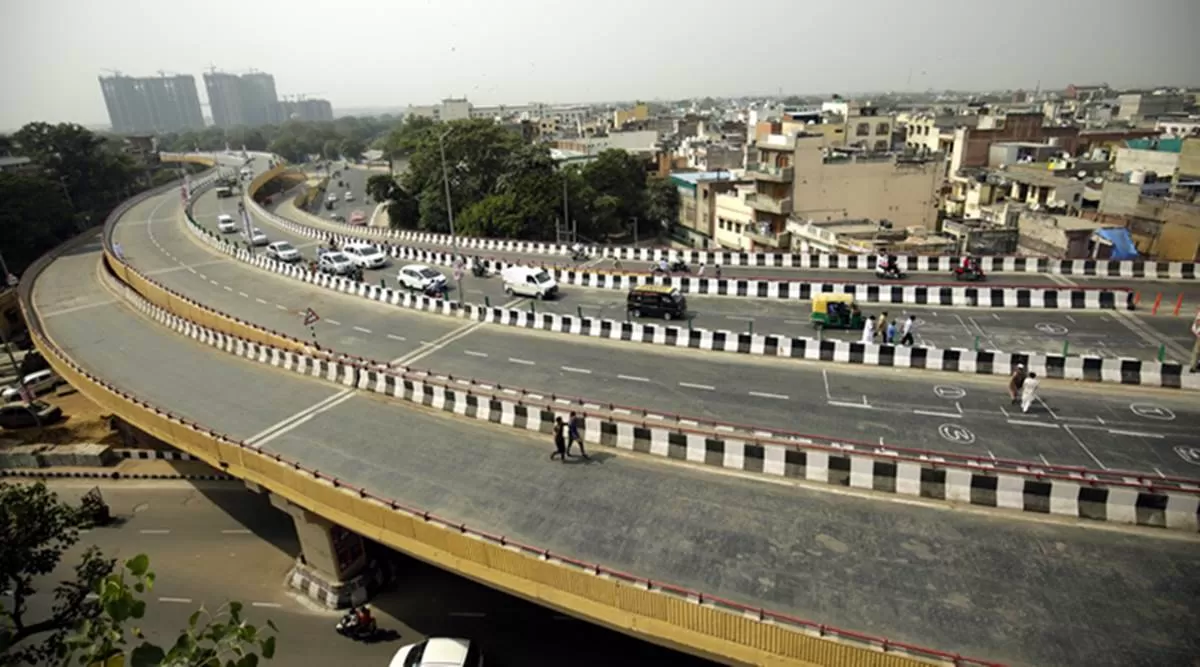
680	266
478	270
95	509
349	626
436	290
890	273
972	273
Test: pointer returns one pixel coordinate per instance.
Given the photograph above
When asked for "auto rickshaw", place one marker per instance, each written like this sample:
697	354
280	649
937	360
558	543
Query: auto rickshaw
835	311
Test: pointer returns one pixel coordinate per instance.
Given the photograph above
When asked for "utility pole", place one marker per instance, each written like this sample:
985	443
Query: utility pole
459	265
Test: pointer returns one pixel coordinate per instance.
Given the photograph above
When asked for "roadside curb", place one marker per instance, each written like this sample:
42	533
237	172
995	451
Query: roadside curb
108	474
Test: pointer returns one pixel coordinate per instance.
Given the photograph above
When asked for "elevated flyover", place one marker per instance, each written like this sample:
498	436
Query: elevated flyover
956	580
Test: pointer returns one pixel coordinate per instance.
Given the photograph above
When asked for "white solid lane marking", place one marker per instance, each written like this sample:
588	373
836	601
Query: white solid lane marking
739	317
321	405
1070	319
395	337
572	369
72	309
272	605
690	385
178	600
1022	422
333	322
361	329
154	531
843	404
473	353
235	531
635	378
523	362
764	394
933	413
1084	447
1136	434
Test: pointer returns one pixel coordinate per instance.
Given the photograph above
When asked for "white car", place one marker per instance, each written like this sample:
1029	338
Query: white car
336	263
419	277
38	382
283	251
438	652
226	224
332	198
529	281
257	238
365	255
349	196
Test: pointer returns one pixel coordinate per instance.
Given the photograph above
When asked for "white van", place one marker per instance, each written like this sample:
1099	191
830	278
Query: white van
529	281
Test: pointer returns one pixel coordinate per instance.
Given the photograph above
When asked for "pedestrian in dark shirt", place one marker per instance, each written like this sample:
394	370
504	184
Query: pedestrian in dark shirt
574	426
560	440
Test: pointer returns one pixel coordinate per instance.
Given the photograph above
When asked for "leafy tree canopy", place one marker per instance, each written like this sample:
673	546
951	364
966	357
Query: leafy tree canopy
37	529
293	139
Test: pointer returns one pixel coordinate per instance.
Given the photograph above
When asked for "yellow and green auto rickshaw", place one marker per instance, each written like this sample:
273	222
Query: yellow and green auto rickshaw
836	311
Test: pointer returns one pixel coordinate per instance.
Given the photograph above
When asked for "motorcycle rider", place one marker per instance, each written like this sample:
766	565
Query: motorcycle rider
577	251
364	622
663	267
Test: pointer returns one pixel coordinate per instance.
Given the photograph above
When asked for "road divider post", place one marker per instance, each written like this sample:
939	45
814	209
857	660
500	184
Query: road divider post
1178	305
1157	302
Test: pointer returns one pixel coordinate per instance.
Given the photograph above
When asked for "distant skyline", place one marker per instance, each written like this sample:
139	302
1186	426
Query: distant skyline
363	54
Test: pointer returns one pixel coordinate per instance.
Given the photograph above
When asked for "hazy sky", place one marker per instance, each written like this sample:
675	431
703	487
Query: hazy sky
362	53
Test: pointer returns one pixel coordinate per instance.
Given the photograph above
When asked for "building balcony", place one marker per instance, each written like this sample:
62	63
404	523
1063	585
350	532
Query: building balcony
761	171
761	202
767	238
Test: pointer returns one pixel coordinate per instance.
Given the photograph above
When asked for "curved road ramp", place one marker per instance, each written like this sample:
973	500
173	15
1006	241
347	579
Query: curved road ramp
1014	590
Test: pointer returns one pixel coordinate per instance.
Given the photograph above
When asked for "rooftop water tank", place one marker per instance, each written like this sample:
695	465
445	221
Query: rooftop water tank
1137	177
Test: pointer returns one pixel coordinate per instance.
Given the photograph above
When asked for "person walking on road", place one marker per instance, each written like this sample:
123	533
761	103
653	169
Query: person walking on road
1015	382
881	326
906	332
560	441
574	426
889	335
1029	391
868	332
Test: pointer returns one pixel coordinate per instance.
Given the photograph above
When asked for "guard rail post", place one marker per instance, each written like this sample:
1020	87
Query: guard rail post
1162	352
1178	304
1157	302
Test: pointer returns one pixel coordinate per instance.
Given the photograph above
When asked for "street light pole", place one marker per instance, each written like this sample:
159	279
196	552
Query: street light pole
458	266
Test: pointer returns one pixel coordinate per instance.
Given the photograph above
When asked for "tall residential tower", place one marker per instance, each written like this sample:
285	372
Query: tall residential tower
138	105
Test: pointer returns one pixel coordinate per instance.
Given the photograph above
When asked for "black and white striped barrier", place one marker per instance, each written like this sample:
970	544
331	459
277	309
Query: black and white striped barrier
50	473
1100	268
982	296
1089	369
1144	500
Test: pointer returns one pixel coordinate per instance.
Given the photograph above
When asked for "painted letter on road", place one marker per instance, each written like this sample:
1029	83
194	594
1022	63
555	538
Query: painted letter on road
956	433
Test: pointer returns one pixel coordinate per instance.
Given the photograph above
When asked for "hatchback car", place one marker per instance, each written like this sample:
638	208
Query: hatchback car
257	237
419	277
26	414
365	255
336	263
283	251
226	224
37	383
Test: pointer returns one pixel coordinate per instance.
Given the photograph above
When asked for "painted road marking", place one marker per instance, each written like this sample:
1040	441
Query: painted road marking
395	337
1189	454
572	369
1152	411
283	426
361	329
227	288
635	378
949	391
956	433
154	531
333	322
178	600
473	353
739	317
1084	447
931	413
523	362
280	307
272	605
1022	422
843	404
235	531
1136	434
262	301
243	295
763	394
690	385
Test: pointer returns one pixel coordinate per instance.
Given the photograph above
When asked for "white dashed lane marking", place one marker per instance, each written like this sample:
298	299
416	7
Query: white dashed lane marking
690	385
395	337
473	353
362	330
572	369
763	394
262	301
523	362
634	378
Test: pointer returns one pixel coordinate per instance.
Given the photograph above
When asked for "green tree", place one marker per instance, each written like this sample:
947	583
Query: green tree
36	530
662	205
618	179
353	149
404	212
402	141
382	187
95	176
331	150
34	217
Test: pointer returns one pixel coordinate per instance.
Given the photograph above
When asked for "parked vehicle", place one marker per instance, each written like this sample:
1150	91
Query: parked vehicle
656	301
37	383
529	281
27	414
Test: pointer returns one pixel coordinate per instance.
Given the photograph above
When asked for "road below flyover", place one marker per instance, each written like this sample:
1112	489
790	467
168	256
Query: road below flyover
213	542
1089	426
962	580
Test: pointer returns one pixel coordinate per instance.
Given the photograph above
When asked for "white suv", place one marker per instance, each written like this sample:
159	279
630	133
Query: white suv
365	255
336	263
226	224
419	277
283	251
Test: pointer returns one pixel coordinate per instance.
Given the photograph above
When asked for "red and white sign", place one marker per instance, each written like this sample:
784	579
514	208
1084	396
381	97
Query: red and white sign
311	317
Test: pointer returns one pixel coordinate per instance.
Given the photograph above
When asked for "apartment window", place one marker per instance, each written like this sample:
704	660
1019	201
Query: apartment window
881	145
863	129
882	128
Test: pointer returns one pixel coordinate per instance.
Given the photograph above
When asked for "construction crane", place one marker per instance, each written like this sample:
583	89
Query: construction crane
164	73
115	72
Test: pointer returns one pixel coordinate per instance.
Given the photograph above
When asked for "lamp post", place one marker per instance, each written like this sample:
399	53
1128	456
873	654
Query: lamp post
457	264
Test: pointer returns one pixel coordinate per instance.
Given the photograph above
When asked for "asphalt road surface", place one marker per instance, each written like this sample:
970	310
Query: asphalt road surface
1104	334
1081	425
212	542
979	583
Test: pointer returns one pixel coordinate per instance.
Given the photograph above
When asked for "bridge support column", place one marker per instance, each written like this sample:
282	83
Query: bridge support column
332	568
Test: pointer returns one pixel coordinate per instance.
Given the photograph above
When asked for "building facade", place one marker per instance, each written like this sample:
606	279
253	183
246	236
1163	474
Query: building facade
152	104
225	99
261	103
248	100
314	110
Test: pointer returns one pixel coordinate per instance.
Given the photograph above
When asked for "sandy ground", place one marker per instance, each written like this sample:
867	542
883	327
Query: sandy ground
84	423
